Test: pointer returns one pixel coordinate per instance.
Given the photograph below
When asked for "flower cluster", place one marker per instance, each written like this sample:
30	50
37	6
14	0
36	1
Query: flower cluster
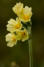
24	13
15	26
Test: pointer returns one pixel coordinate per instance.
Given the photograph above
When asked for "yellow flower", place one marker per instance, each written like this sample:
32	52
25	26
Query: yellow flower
18	34
14	25
11	39
18	8
26	14
24	35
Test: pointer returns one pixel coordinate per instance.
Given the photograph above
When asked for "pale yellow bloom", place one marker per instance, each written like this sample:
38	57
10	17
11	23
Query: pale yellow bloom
11	39
26	14
14	25
24	35
18	34
18	8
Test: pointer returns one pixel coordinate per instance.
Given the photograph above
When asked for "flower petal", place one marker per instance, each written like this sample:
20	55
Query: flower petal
11	44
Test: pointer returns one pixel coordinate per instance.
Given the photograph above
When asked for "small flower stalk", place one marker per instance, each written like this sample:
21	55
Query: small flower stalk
20	28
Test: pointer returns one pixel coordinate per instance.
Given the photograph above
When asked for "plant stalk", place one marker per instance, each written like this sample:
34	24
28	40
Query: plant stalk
30	53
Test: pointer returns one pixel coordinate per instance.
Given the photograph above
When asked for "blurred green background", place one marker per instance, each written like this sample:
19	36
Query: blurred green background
20	52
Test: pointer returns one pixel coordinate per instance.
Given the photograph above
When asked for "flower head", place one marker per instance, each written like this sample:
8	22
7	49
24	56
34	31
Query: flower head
26	14
18	8
14	25
24	35
11	39
18	34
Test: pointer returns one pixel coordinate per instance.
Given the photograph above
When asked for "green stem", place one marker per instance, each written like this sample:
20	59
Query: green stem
30	54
